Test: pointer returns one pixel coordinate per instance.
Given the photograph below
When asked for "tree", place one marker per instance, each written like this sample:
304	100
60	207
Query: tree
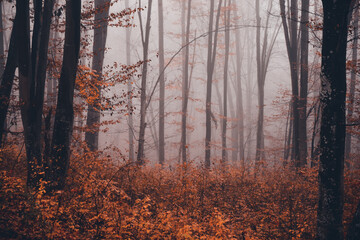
226	69
211	57
130	104
162	85
304	75
332	130
32	74
145	36
263	54
350	106
102	8
64	116
239	100
185	86
290	26
7	76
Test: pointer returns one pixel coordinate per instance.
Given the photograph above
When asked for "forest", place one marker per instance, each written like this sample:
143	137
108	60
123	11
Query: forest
179	119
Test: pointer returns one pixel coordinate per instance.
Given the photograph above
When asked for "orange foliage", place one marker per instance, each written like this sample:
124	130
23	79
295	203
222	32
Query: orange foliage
104	200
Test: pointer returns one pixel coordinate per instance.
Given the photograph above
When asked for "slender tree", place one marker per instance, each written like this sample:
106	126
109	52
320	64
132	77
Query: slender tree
350	105
226	69
7	76
145	36
130	89
239	96
102	8
162	85
211	57
263	54
290	25
304	75
185	86
64	116
32	74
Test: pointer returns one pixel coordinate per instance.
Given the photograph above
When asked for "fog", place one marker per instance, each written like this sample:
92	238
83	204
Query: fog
277	86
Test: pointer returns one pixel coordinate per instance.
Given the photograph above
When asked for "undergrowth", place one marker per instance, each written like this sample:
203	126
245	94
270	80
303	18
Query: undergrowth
104	200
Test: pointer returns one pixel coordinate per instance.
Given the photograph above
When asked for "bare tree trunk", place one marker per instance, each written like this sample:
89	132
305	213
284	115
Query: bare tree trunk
32	75
226	69
145	43
239	98
130	89
210	70
288	134
304	74
291	38
249	92
7	77
102	8
162	85
234	128
332	132
185	90
64	116
350	106
263	53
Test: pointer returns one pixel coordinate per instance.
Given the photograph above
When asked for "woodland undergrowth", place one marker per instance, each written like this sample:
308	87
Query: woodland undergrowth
107	198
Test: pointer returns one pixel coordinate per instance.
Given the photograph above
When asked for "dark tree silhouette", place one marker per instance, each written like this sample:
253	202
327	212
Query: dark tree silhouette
332	131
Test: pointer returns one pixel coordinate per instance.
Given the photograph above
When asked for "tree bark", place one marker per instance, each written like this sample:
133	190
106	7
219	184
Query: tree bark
145	42
332	131
291	38
239	98
32	75
185	87
226	69
130	89
7	77
162	85
102	8
210	70
64	116
304	73
350	106
263	54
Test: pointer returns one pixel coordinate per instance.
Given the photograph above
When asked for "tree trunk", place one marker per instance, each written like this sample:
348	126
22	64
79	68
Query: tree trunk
239	98
226	69
350	106
64	116
162	85
130	89
234	128
32	75
7	77
185	87
291	39
332	131
304	65
102	8
210	70
145	43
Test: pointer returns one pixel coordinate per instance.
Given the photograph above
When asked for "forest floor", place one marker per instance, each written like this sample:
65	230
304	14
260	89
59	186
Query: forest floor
103	200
